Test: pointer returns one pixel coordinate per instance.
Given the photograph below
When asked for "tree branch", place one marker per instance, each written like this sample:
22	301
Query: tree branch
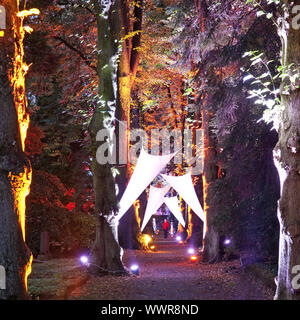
60	3
126	24
136	41
81	54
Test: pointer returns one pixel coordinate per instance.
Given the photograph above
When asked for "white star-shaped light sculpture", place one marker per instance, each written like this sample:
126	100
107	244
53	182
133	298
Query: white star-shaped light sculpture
148	167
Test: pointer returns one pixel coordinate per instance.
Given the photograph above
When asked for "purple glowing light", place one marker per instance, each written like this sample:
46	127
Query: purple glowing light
191	250
227	241
84	260
134	267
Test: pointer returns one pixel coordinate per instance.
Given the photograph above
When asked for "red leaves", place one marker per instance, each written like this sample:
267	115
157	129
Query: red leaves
88	205
70	192
71	206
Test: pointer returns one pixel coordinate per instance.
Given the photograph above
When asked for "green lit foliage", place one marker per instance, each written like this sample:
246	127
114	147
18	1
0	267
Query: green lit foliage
264	86
271	84
267	92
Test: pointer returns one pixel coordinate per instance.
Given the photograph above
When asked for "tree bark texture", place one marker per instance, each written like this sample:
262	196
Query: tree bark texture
106	253
287	158
131	25
210	174
15	169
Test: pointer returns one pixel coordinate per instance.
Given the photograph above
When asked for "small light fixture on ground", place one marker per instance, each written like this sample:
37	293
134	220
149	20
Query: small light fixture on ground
152	247
227	241
191	251
193	259
84	260
178	238
146	239
135	269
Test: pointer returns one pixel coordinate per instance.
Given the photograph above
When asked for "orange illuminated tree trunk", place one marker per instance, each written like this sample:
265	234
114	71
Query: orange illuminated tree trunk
15	169
131	15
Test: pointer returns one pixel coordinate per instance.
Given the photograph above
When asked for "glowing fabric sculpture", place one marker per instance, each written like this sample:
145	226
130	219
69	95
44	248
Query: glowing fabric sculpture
172	229
155	200
147	168
185	188
173	205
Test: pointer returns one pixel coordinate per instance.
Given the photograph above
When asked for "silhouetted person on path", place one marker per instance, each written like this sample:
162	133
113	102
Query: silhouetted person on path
166	228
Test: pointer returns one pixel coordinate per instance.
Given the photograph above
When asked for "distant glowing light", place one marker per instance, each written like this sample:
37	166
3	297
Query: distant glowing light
84	260
152	247
227	241
191	250
148	239
193	258
1	33
145	239
181	242
134	269
178	238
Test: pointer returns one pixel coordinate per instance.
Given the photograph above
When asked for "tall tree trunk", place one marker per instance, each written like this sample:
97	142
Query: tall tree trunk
210	174
15	169
129	228
287	159
106	254
211	250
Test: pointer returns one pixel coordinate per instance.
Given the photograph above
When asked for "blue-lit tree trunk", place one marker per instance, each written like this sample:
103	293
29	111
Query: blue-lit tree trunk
106	251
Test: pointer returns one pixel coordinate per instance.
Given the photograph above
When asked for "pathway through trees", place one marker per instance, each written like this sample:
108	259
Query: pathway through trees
166	274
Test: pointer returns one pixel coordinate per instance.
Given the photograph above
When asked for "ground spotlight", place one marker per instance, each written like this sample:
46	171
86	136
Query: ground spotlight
84	260
135	269
191	251
193	259
178	238
152	247
148	238
227	241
